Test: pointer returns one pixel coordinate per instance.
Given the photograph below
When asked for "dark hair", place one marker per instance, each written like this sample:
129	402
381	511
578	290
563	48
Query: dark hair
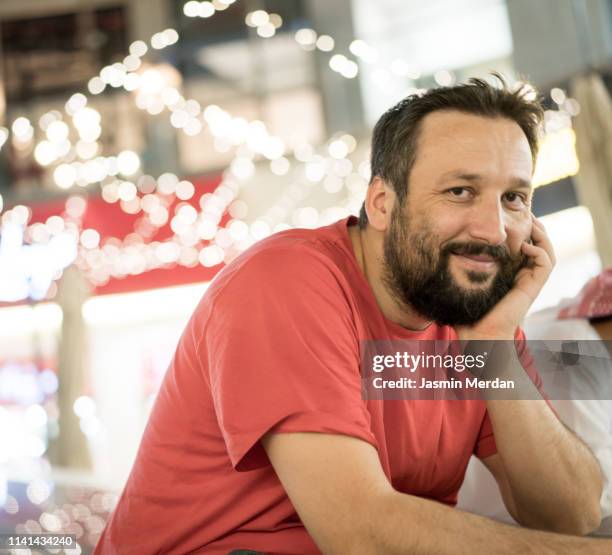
395	135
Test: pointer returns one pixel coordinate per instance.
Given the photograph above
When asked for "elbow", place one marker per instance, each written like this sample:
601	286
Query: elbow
577	519
590	520
587	514
580	522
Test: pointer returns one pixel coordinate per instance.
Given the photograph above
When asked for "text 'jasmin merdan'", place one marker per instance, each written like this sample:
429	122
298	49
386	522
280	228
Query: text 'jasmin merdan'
412	362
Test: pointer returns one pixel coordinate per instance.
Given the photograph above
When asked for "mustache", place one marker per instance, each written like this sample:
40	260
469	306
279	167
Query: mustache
498	253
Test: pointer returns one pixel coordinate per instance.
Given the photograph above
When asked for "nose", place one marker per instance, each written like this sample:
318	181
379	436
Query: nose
488	223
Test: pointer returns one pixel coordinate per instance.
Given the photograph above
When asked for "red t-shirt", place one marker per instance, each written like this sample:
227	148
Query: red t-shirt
274	345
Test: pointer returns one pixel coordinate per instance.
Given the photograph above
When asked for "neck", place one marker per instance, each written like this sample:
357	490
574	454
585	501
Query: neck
368	246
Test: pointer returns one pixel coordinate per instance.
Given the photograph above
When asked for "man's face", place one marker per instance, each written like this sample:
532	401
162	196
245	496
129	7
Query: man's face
452	250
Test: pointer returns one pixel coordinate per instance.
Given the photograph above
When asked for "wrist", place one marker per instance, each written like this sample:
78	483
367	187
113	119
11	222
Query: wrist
470	335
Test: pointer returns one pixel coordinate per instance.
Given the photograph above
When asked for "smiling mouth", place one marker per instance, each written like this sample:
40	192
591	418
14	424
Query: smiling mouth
480	262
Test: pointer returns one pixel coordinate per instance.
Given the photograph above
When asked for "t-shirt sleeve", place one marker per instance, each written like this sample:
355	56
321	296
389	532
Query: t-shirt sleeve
485	445
283	353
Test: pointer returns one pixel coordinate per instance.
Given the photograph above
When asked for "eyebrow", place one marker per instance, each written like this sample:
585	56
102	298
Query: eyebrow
517	182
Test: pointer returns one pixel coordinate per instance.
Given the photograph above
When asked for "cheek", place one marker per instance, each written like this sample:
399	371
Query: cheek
445	228
430	233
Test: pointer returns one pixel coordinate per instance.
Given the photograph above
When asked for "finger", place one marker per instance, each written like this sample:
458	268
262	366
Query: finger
541	239
540	255
537	224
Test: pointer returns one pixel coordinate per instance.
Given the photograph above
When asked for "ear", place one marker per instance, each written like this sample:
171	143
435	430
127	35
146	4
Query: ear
379	202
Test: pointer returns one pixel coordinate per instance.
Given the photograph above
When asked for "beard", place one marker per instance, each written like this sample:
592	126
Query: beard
417	273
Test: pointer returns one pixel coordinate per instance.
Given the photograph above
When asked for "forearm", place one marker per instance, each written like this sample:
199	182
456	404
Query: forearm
555	480
436	529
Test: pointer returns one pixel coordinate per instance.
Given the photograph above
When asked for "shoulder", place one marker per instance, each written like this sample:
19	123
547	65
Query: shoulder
297	273
284	260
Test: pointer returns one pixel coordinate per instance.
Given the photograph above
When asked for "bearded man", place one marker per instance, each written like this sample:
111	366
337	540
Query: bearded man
261	439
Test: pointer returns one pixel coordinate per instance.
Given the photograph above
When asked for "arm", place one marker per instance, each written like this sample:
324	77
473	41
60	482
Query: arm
340	492
563	496
547	476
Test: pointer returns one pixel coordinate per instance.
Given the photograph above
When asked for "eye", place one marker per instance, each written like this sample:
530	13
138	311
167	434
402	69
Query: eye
460	193
516	200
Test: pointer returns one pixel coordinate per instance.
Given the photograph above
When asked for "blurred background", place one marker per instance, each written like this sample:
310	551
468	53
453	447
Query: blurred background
145	143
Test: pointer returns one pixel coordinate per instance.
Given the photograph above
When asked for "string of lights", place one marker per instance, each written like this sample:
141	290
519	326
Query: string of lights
198	236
